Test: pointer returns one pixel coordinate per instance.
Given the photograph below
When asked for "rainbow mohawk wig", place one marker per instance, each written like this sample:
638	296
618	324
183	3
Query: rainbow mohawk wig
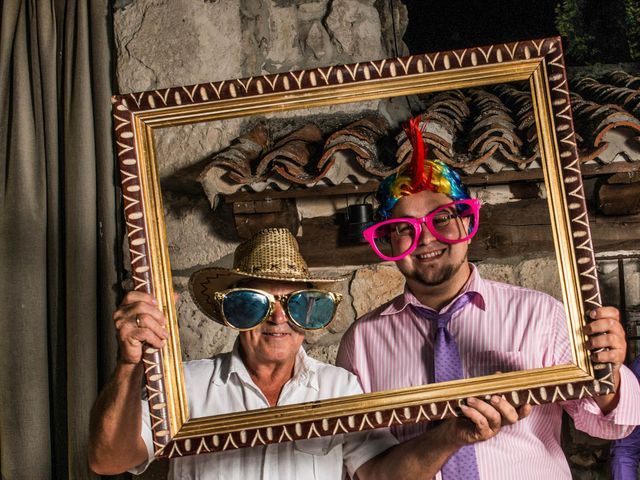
419	175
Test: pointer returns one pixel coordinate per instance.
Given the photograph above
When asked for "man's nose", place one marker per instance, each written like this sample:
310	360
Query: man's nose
278	315
426	236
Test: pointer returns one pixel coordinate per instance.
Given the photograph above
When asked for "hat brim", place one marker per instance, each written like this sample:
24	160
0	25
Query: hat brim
205	282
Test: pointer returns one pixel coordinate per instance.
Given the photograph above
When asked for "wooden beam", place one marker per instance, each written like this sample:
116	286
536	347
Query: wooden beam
312	192
618	199
250	217
506	230
321	246
476	179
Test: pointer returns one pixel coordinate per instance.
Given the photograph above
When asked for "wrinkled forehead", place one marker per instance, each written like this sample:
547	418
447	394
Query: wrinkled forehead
419	204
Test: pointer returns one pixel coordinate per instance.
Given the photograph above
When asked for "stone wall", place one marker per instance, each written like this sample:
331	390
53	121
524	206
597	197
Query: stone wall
163	43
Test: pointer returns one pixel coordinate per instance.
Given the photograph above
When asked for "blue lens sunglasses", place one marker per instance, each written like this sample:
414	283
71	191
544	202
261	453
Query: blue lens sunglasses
246	308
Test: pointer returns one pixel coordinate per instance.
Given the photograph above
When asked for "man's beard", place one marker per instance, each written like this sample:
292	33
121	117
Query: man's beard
434	278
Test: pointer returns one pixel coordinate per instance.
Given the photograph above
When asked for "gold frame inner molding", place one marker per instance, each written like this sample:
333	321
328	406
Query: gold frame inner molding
138	115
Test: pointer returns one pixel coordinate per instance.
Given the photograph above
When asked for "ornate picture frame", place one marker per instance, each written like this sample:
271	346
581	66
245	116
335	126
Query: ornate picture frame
137	115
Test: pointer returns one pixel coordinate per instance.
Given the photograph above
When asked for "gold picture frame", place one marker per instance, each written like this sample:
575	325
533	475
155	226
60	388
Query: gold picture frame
137	115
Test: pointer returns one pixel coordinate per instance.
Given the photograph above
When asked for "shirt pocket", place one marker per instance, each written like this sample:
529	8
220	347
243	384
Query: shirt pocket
230	464
320	457
493	361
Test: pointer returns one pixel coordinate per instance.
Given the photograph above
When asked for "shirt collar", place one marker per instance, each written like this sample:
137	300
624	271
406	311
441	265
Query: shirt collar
304	371
475	285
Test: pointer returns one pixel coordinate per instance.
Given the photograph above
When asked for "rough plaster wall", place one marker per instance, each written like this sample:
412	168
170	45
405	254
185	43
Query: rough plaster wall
163	43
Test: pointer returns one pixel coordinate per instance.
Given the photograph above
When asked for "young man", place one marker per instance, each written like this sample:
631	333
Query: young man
272	305
450	323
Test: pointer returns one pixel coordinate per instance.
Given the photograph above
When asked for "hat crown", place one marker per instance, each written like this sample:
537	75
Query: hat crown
271	253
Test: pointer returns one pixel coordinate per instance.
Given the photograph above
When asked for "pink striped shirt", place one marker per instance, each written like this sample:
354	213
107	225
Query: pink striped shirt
504	328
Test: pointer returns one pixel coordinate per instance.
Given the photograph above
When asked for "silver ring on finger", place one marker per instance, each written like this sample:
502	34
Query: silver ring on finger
137	321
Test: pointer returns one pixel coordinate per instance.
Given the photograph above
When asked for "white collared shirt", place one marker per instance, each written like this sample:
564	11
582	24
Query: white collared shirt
222	385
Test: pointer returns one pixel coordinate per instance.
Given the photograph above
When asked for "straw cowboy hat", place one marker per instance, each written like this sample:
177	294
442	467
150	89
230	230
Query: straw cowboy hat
271	254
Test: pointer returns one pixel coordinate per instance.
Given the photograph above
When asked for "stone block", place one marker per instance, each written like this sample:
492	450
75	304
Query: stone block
161	43
284	52
355	28
324	353
492	195
497	271
180	147
372	286
540	274
286	35
200	337
320	207
394	19
196	235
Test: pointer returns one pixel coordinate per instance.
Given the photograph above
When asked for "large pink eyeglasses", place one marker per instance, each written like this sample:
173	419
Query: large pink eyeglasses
396	238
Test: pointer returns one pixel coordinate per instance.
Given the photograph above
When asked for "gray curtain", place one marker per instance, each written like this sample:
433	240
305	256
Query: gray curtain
58	241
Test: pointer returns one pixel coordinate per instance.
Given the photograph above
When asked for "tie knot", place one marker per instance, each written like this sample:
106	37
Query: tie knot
443	318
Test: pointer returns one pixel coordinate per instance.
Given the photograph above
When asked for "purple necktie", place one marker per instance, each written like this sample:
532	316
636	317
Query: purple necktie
447	365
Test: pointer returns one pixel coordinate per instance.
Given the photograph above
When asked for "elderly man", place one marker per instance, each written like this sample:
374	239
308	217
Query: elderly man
271	304
450	323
